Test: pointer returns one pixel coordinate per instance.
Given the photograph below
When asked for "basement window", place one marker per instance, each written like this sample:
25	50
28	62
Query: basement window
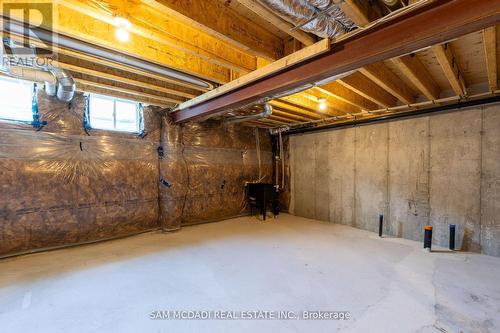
16	100
112	114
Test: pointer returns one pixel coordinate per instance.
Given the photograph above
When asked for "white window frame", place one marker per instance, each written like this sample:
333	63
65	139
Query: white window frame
138	111
25	121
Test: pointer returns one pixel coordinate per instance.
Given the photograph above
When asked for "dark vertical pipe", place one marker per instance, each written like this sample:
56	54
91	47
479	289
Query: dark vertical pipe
452	237
380	224
428	237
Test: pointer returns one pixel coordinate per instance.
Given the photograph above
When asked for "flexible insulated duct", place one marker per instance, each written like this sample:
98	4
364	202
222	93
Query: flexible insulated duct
268	110
57	82
320	17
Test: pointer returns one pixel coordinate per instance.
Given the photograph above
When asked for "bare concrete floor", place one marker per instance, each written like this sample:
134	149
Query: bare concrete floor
292	263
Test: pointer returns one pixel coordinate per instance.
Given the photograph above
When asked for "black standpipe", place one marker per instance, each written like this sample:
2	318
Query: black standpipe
380	224
428	237
452	237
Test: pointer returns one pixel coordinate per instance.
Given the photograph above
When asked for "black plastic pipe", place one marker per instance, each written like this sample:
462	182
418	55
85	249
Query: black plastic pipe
380	224
428	237
452	237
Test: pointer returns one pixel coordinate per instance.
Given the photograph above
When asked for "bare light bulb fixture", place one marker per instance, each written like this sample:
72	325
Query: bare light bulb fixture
122	27
322	104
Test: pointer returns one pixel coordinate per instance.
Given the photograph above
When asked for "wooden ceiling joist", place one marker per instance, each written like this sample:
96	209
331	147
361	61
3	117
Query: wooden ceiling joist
278	22
101	90
151	25
120	79
363	86
449	64
361	12
347	95
102	33
164	100
337	106
295	110
284	113
490	50
385	78
311	104
220	21
413	69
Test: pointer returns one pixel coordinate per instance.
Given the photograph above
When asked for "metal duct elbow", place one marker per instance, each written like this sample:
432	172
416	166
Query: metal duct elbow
320	17
66	86
268	110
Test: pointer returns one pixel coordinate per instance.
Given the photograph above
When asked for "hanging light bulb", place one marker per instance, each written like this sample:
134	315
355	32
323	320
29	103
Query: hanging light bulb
122	28
322	104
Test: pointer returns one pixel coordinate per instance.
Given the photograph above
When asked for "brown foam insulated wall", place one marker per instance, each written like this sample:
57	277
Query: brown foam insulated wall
62	185
205	168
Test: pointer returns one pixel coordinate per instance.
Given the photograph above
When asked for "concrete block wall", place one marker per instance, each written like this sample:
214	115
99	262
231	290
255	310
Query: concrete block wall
440	169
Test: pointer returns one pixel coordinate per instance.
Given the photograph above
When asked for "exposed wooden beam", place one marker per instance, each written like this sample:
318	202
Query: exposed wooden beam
103	34
449	64
347	95
385	78
309	52
419	76
360	12
332	102
295	110
220	21
101	90
431	23
78	25
490	50
285	118
311	104
164	100
286	114
278	22
363	86
120	79
148	24
273	121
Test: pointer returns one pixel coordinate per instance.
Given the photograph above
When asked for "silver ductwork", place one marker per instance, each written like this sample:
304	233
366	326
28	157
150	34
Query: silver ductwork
65	86
268	110
57	82
320	17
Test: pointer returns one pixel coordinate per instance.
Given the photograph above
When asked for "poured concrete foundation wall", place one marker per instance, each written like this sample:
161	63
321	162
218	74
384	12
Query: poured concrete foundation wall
62	185
439	170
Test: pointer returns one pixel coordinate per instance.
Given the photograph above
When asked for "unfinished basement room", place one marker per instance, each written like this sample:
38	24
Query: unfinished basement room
250	166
